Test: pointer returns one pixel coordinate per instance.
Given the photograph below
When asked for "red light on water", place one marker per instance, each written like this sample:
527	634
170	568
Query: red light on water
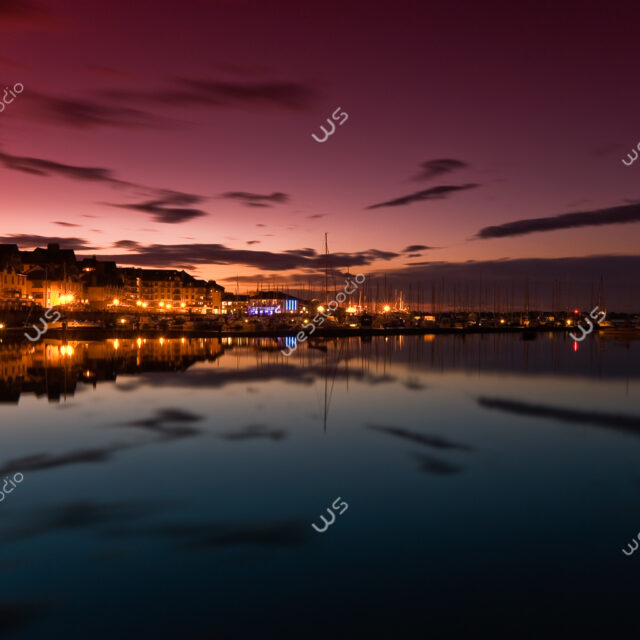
575	346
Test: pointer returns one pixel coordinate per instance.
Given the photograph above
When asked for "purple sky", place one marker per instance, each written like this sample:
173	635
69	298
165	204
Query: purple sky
179	133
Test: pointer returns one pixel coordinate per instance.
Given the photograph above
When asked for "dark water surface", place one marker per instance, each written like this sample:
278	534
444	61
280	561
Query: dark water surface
169	488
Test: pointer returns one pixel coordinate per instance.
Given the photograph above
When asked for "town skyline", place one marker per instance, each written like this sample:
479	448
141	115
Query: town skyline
203	159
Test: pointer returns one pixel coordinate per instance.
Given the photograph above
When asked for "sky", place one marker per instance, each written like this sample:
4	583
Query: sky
484	141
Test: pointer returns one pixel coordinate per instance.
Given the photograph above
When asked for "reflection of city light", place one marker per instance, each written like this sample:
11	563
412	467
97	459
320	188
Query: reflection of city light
139	342
182	340
387	308
116	344
161	341
116	302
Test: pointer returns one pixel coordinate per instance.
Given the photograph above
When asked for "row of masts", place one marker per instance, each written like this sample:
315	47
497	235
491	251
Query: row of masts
437	296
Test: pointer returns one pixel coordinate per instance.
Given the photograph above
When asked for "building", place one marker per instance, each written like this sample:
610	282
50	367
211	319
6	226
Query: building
13	282
52	276
268	303
103	284
169	290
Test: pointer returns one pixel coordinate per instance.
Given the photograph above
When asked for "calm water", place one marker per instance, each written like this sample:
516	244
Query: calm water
169	488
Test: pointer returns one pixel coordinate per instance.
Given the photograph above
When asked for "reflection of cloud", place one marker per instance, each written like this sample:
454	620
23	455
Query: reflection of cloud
81	514
156	424
430	440
286	533
41	461
414	384
435	466
218	378
254	431
629	424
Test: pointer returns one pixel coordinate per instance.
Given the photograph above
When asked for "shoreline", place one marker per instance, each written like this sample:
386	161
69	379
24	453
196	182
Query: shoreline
94	333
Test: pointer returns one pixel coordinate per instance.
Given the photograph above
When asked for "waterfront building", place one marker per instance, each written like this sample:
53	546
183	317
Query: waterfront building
13	282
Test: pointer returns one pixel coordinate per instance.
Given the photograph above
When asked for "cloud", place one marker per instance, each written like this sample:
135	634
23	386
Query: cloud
169	214
415	247
254	241
583	272
157	255
40	167
615	421
127	244
67	224
429	440
29	241
317	216
613	215
157	207
434	168
85	114
253	431
256	199
435	193
187	92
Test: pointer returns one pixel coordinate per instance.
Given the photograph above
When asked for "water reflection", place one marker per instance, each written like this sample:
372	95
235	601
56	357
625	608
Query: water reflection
190	471
57	369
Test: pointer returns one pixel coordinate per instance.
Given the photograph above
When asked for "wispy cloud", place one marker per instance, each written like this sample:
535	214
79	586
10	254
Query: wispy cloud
212	93
158	255
439	167
614	215
31	241
256	199
166	205
435	193
162	212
